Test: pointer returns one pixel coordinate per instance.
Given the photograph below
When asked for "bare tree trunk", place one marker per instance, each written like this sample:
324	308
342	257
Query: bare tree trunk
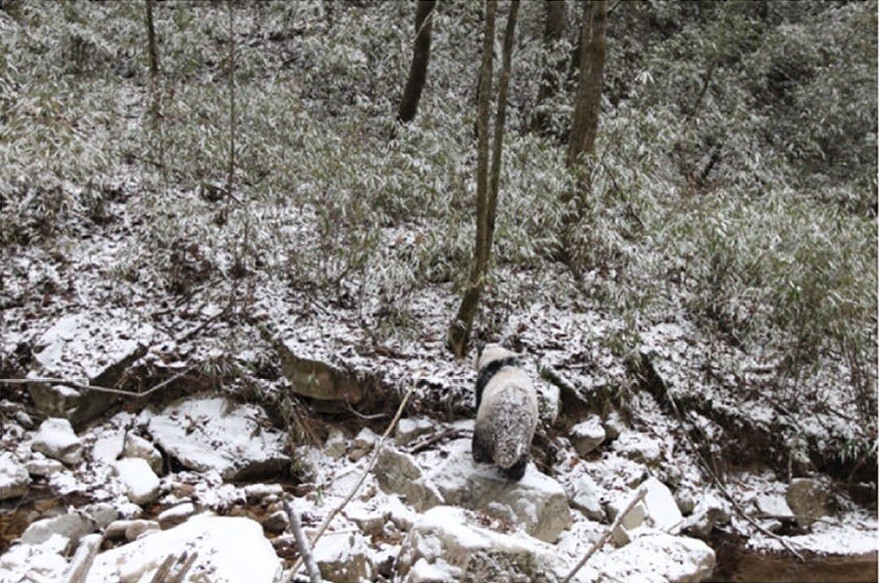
420	57
153	61
593	44
487	179
230	179
553	32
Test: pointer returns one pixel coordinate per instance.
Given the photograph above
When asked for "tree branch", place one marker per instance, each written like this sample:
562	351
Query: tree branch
304	548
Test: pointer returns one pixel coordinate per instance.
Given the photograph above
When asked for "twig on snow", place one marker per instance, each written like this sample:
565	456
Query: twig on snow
600	542
302	543
378	447
421	446
86	387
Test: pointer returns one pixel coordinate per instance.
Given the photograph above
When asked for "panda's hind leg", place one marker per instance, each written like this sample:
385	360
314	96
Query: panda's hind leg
517	470
481	451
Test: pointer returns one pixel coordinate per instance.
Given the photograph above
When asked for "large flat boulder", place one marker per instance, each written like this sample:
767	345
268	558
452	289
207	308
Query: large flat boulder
658	557
213	433
536	503
230	550
449	544
317	379
90	348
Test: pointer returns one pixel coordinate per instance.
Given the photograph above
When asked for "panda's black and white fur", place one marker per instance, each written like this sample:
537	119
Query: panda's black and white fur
506	411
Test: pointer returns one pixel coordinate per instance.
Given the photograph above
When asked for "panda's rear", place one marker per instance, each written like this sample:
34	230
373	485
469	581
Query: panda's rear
506	417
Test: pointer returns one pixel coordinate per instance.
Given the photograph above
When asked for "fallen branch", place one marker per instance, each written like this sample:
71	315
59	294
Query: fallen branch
302	543
180	575
83	558
378	447
98	389
608	533
421	446
162	572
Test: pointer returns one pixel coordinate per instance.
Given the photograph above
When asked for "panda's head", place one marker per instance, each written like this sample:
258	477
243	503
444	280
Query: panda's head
488	353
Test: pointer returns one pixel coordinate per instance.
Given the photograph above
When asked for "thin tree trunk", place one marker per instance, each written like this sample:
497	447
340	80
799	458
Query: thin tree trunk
488	179
153	60
420	57
584	125
230	179
553	33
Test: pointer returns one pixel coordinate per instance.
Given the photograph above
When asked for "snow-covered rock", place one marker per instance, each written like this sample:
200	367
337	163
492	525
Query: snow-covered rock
614	426
175	515
43	467
141	483
638	448
40	562
397	472
230	550
55	438
344	558
410	429
585	497
587	435
92	347
363	444
259	492
661	558
709	512
370	522
102	513
773	506
72	526
136	446
336	444
277	521
807	499
215	434
14	478
136	528
449	544
316	379
536	503
662	510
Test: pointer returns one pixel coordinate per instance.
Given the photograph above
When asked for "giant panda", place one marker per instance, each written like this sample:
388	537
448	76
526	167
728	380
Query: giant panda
506	411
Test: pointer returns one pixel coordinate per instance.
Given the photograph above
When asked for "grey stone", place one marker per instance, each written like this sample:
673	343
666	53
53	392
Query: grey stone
773	506
14	478
537	503
43	467
398	473
212	433
277	521
336	444
410	429
587	436
710	511
175	515
72	526
658	556
139	526
614	425
138	447
453	540
102	513
344	559
363	444
95	347
585	497
141	483
316	379
55	439
808	499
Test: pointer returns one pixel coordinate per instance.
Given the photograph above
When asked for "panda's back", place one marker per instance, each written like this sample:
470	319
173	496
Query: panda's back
508	415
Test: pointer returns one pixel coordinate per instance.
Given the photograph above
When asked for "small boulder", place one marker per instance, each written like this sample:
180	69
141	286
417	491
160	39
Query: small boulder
336	444
773	506
658	556
638	448
709	512
141	483
363	444
587	436
259	492
138	527
102	513
72	526
398	473
43	467
137	447
228	549
277	521
536	503
14	478
344	559
410	429
55	438
585	496
448	543
175	515
808	499
215	434
614	425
